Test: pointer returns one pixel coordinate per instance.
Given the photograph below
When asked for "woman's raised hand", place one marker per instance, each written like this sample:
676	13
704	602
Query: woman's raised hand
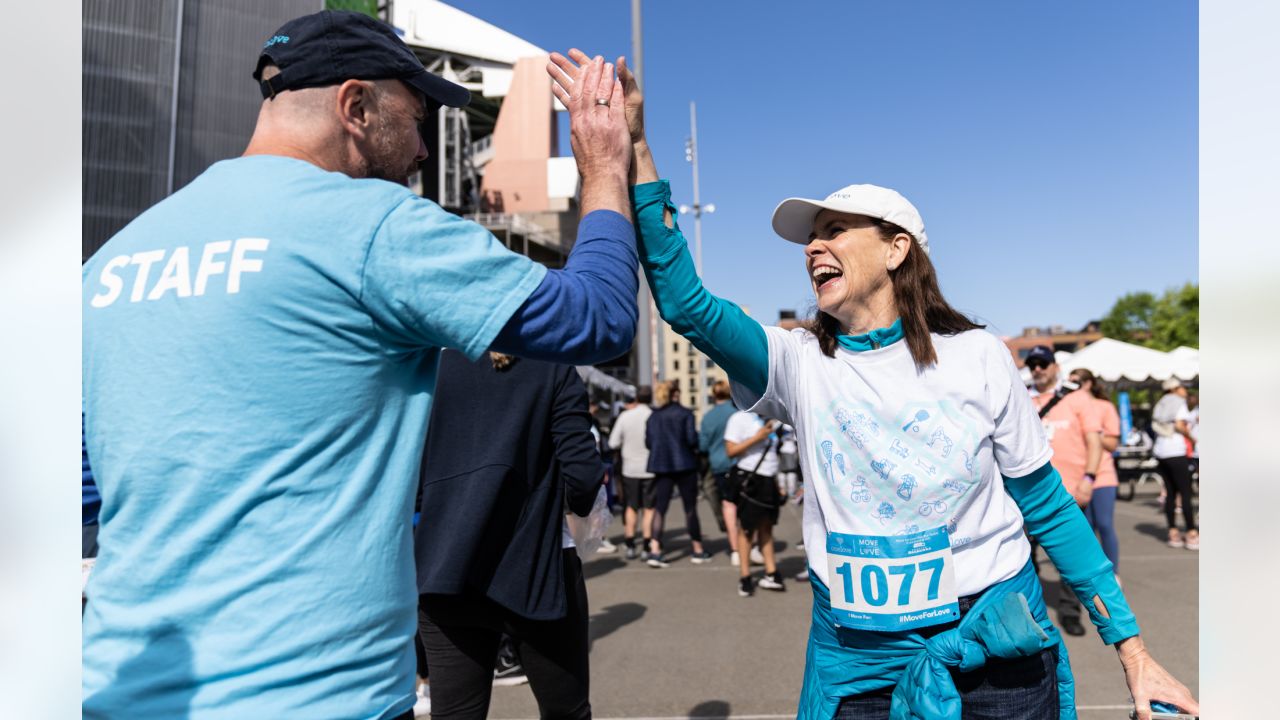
633	101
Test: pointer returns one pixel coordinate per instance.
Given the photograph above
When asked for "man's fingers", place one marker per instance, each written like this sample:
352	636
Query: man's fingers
579	56
567	66
591	81
562	80
605	89
561	95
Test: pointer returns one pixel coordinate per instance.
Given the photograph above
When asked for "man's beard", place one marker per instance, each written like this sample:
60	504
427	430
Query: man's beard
382	162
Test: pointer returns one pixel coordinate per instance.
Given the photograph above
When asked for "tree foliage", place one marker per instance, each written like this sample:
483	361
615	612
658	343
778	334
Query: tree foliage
1163	323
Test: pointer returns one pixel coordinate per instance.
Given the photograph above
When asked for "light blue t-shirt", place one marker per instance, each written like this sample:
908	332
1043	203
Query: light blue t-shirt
260	352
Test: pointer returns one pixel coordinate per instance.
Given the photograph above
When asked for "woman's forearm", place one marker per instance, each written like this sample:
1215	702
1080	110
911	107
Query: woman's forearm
715	326
1053	519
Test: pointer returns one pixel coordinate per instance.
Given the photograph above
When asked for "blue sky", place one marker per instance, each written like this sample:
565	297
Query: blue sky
1050	147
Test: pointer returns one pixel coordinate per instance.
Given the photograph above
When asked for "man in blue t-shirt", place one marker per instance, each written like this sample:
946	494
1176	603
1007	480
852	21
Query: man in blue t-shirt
260	358
711	442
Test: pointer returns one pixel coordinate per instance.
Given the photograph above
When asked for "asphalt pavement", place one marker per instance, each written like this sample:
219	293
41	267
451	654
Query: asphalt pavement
679	643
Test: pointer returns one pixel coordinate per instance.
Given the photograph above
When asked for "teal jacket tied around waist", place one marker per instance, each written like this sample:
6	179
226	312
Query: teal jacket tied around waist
1007	621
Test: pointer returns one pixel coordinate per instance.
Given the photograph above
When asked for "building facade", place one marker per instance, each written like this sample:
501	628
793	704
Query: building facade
1055	336
166	92
680	361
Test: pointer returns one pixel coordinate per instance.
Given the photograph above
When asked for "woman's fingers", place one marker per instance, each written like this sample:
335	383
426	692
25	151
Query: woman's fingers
616	105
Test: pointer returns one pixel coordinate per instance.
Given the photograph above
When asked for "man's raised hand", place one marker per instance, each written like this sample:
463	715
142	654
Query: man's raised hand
597	123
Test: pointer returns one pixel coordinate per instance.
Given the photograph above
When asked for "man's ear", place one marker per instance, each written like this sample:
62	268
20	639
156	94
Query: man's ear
356	106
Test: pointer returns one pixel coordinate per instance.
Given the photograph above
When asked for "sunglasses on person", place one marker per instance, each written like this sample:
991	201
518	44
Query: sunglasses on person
1037	364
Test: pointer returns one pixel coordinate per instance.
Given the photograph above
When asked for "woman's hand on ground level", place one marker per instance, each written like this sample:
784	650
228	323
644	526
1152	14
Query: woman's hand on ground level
1149	681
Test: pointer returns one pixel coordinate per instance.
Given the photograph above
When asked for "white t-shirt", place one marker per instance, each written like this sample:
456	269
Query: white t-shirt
886	450
743	425
628	433
1171	408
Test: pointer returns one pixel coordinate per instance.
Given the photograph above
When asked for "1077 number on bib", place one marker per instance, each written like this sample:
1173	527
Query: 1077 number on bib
892	583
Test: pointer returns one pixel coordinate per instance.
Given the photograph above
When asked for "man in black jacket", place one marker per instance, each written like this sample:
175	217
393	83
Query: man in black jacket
509	446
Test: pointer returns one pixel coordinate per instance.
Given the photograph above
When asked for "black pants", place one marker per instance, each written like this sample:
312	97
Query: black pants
461	633
687	484
1177	481
1014	689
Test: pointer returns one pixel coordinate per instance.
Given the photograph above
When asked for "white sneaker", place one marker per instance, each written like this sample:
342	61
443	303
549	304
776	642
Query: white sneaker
757	558
606	547
422	708
734	558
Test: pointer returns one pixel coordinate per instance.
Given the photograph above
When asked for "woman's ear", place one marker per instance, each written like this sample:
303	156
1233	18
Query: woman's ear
899	246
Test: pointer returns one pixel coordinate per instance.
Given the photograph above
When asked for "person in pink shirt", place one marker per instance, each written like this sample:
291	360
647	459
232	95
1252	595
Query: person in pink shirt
1071	422
1101	509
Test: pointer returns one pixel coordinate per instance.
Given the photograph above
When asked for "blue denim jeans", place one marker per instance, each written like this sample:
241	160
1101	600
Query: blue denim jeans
1017	689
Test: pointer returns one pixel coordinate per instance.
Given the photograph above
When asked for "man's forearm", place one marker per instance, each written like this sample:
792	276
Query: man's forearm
586	312
605	190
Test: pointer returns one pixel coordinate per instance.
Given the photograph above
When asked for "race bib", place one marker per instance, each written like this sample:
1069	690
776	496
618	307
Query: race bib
892	583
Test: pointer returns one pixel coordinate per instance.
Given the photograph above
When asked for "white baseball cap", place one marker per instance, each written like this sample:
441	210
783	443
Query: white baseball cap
793	218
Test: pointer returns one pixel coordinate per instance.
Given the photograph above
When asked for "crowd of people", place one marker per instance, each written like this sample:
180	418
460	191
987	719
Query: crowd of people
259	434
660	448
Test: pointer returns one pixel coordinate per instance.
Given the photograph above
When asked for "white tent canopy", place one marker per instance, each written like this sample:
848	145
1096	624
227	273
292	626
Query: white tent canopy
1113	360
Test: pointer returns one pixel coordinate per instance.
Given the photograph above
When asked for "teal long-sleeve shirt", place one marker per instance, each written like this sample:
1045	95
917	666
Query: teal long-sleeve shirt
736	342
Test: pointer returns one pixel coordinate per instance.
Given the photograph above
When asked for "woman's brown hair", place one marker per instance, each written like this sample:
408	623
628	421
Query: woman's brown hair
920	305
1095	385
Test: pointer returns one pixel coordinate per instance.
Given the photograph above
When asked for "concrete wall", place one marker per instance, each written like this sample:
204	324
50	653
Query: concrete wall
524	139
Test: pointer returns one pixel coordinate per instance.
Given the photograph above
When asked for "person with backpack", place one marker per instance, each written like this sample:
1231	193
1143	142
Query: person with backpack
752	443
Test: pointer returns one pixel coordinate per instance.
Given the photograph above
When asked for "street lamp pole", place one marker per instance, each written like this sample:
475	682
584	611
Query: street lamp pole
647	326
691	155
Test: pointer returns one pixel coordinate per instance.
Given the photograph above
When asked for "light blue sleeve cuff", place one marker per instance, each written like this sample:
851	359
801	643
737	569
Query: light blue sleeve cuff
1054	519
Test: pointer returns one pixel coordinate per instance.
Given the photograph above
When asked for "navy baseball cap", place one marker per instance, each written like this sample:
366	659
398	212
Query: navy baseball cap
1043	353
332	46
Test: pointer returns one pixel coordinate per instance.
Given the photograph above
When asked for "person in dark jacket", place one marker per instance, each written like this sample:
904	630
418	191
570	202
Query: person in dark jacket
509	446
673	447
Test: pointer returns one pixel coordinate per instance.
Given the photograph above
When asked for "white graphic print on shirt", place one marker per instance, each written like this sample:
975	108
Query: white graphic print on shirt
890	450
909	471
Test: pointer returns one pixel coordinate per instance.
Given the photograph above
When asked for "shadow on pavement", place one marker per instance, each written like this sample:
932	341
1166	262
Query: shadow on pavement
1159	532
710	710
603	565
790	566
613	618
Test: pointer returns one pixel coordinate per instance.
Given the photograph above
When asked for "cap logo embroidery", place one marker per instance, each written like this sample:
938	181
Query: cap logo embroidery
276	39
